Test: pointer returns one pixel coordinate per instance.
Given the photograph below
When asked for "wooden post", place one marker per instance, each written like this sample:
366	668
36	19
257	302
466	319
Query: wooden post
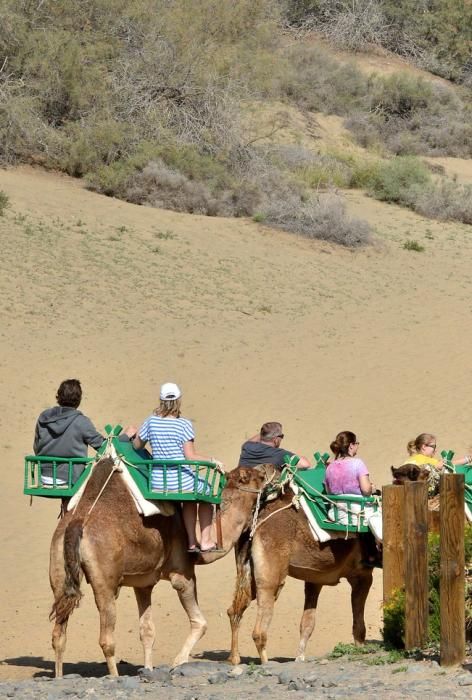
416	564
452	574
393	552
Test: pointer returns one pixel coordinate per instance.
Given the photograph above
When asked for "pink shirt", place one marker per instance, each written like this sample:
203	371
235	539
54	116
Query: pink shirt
342	476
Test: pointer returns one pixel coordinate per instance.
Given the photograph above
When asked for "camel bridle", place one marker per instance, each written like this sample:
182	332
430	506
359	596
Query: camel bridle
267	482
268	479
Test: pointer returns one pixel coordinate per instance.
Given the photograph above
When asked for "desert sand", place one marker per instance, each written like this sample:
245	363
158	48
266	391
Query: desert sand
255	325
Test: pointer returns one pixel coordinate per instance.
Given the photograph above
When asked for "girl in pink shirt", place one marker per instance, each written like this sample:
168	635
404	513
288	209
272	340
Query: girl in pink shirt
347	473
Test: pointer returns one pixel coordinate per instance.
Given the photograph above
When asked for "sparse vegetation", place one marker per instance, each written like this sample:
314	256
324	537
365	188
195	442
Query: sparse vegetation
375	654
322	216
436	35
413	245
4	202
166	129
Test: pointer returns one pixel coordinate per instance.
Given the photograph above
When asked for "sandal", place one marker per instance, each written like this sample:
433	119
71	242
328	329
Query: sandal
213	548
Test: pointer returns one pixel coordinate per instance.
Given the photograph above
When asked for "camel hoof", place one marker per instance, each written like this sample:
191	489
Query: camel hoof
179	660
300	659
235	660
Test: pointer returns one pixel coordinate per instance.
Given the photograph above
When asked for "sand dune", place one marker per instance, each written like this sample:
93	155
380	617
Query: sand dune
256	325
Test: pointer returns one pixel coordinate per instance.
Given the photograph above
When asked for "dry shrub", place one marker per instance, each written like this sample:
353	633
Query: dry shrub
445	200
322	84
408	116
160	186
315	170
322	217
354	25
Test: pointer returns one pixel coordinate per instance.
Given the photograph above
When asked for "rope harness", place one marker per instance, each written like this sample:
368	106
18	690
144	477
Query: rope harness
116	468
341	506
260	492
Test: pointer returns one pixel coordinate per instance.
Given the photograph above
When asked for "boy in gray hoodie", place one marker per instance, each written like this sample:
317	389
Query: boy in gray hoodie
63	431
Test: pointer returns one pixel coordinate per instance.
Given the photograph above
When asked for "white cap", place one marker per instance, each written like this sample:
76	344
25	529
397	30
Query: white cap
170	391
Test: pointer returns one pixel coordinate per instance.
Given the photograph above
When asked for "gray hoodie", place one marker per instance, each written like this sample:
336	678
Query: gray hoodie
65	432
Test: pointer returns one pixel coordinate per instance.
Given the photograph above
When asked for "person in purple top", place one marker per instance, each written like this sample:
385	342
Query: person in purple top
347	473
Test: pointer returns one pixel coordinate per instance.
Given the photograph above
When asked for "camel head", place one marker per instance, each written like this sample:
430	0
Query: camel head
253	479
243	487
409	472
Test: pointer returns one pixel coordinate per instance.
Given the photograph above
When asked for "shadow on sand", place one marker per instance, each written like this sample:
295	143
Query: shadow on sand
88	669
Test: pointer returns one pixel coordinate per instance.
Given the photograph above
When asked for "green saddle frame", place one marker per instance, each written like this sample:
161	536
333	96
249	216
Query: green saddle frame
322	505
448	456
140	465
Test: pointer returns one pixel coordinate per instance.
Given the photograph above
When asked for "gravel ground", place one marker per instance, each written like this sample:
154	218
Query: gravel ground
352	677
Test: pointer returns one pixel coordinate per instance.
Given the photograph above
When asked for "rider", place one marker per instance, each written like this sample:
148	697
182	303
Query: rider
422	451
348	474
264	448
172	436
64	431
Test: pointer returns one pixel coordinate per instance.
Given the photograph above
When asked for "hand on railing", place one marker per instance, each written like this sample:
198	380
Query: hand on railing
218	465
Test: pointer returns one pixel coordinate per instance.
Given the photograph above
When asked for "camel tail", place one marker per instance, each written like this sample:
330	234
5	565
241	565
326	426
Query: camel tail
71	593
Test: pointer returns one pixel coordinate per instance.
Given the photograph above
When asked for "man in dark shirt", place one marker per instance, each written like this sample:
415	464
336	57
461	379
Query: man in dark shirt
264	448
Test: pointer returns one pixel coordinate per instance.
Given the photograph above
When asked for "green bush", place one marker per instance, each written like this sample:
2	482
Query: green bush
393	180
413	245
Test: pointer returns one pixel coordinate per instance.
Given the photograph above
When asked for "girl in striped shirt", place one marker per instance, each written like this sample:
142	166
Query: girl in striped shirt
172	437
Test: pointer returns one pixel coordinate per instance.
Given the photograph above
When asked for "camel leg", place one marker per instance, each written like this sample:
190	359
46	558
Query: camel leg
244	594
307	623
266	597
147	632
360	587
106	605
187	591
59	639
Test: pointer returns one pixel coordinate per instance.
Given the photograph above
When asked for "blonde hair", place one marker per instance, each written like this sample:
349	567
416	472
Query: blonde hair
168	407
415	445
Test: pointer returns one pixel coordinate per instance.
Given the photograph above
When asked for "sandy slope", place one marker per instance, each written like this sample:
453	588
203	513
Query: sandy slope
256	325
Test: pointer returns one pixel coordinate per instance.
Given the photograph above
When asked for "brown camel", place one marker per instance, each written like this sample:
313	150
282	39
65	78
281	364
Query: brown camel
412	472
106	540
283	546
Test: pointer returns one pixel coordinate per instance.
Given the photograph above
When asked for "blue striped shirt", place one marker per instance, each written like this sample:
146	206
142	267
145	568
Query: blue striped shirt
166	437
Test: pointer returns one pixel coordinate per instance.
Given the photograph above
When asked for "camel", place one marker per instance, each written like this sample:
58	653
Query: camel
108	542
412	472
284	546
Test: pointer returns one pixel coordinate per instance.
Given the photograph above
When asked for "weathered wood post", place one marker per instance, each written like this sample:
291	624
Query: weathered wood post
452	574
393	551
416	564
